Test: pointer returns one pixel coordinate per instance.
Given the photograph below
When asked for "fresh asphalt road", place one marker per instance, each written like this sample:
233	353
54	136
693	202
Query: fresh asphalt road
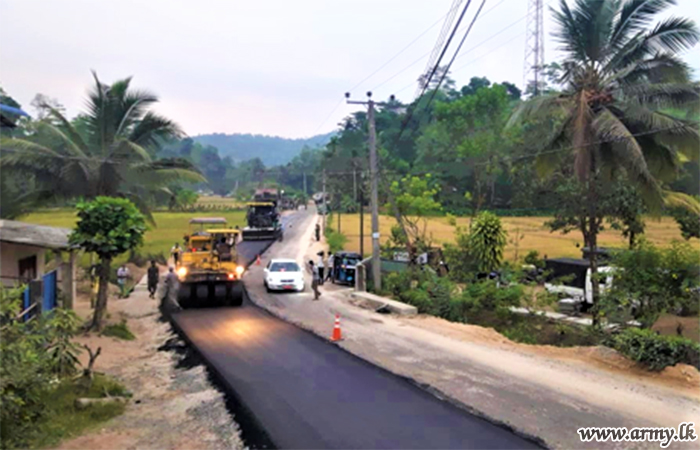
307	393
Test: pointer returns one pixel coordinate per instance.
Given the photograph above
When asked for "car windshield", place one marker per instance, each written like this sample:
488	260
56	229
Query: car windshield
284	267
349	261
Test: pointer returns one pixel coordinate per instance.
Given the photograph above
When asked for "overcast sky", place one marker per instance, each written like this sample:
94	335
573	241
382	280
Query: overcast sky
277	67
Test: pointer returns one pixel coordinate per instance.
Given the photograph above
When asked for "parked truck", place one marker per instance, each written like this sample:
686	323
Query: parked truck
571	278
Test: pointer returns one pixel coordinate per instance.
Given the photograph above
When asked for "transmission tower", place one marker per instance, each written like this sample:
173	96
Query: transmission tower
533	69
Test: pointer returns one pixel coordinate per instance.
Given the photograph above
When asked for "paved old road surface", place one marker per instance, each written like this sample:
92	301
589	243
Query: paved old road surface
308	393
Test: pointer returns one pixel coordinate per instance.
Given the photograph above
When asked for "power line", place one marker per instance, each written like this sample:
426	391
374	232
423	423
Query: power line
327	117
447	69
397	54
437	65
449	19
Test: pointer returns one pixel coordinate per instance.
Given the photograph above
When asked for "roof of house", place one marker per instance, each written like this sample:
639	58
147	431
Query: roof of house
36	235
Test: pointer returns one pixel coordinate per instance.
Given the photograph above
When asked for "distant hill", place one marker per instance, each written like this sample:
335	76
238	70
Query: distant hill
272	150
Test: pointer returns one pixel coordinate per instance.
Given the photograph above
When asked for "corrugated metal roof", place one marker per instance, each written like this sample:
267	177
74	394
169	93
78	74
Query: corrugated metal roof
31	234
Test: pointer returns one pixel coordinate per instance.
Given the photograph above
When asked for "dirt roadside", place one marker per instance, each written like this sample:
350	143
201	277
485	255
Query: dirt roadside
541	391
173	405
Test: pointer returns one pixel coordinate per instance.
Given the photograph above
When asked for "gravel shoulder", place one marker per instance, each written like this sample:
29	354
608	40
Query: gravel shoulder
173	405
540	391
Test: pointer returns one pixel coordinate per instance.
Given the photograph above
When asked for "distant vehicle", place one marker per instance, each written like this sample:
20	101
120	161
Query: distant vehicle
580	287
263	216
283	275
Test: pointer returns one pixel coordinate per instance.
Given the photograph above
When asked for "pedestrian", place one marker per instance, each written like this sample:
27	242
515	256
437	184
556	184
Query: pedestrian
318	232
329	272
175	253
321	267
123	275
315	279
171	278
152	280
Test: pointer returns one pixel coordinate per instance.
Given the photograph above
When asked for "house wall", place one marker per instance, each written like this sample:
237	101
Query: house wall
10	254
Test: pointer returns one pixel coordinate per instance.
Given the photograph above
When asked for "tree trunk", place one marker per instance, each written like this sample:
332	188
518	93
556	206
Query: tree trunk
633	238
102	293
593	245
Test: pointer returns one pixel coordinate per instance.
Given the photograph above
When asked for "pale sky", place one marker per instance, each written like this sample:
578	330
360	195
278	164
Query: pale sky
271	67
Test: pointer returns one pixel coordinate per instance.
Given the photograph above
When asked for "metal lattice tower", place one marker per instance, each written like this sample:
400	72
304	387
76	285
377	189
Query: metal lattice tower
533	69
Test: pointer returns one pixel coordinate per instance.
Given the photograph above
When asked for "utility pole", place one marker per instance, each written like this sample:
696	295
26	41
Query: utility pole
323	221
374	185
305	191
354	182
362	223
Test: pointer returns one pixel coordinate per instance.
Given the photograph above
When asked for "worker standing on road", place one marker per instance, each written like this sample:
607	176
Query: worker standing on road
152	280
329	272
318	232
315	279
320	266
175	253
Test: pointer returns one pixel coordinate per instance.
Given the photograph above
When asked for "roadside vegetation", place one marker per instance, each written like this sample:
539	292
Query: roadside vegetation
119	330
41	379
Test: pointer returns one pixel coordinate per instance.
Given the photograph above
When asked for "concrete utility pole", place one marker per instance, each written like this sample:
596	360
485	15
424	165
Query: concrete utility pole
305	191
374	185
323	221
354	182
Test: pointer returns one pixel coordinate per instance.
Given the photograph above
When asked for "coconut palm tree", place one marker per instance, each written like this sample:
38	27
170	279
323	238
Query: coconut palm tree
108	151
622	79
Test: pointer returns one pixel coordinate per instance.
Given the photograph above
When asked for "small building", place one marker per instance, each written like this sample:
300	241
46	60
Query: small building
23	256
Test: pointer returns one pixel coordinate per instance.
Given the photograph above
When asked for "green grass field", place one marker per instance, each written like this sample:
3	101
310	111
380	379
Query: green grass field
169	228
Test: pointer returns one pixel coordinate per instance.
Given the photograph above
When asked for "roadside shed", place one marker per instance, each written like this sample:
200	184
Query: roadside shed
23	248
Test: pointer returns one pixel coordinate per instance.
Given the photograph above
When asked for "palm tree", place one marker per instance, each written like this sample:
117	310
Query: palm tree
109	151
622	79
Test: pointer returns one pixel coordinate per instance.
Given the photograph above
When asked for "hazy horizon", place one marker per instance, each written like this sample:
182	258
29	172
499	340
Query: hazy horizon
270	68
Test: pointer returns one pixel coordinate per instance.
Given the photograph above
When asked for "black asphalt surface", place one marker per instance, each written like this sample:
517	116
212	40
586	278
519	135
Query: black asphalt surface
308	393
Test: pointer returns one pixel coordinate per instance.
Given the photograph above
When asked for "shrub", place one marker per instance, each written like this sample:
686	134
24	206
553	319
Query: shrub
336	241
119	330
487	241
32	354
533	257
651	281
655	351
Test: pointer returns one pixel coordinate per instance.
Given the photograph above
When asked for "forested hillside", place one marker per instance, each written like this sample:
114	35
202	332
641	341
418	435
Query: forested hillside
272	150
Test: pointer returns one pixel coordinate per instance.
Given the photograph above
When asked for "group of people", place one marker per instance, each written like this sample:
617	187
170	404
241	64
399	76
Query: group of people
318	272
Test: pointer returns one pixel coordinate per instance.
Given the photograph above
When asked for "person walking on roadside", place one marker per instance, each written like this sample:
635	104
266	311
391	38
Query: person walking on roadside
152	280
315	279
329	272
123	275
320	266
175	253
318	232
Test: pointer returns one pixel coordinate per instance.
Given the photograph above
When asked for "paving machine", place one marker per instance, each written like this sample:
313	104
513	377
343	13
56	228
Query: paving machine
263	217
209	273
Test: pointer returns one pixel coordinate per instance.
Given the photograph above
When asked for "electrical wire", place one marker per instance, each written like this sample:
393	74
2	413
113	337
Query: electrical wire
459	47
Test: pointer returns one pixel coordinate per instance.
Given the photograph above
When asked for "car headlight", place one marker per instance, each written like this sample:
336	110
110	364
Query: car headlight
240	270
182	272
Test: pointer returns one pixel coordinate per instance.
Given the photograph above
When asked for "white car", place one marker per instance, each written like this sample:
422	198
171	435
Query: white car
283	275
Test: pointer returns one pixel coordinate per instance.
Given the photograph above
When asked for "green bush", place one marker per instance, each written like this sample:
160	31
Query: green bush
651	281
119	330
32	355
336	241
655	351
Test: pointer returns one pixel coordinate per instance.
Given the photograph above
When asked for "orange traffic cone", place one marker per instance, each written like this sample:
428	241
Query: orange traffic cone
257	261
337	336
